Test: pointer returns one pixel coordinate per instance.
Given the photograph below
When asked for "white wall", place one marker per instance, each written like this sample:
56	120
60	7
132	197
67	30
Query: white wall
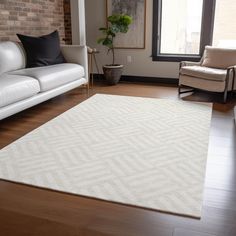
78	22
142	64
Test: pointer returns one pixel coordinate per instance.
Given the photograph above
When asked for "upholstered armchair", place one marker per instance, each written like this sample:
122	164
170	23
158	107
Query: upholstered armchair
215	72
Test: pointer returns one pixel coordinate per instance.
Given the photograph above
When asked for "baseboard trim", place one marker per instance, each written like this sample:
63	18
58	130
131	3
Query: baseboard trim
142	79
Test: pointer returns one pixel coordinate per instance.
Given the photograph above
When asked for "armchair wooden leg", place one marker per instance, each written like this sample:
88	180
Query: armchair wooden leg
233	82
226	86
186	91
179	90
225	95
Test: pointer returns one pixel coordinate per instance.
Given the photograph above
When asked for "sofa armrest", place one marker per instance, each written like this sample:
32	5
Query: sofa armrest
76	54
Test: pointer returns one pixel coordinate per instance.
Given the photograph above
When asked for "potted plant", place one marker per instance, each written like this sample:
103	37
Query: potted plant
117	23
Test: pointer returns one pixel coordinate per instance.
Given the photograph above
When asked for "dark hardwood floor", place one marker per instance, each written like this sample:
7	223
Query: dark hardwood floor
30	211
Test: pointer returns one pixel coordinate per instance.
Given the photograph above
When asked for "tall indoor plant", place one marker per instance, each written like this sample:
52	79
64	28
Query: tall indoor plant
117	23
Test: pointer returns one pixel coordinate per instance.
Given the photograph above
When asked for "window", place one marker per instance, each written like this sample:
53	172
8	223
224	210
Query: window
224	34
181	28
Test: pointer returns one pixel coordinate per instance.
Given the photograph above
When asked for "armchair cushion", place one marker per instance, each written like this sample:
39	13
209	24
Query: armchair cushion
204	72
220	58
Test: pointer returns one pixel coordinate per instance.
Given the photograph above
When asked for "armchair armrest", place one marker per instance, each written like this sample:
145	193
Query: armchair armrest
76	54
232	68
231	71
189	63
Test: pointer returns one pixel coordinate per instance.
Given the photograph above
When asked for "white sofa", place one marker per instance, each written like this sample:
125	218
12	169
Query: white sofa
21	88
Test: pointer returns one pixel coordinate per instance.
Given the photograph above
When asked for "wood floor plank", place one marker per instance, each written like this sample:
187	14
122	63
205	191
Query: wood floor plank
38	226
184	232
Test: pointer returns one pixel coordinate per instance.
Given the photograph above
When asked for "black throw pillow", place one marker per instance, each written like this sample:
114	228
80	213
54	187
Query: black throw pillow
42	51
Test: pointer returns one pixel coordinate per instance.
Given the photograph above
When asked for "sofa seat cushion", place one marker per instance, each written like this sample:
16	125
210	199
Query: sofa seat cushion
50	77
14	88
204	72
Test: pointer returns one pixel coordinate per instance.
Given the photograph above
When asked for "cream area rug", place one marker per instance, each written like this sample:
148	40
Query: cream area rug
137	151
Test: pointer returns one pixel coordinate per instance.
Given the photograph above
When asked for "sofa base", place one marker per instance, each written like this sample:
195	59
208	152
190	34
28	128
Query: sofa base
39	98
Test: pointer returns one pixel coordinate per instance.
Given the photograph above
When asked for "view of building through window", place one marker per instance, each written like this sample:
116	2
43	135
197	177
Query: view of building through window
224	27
181	26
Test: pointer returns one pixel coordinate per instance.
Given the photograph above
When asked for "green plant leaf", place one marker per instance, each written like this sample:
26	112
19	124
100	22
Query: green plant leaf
100	40
108	42
110	32
115	28
102	28
127	19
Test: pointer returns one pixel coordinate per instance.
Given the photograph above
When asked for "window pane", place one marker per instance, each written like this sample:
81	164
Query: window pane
181	26
225	24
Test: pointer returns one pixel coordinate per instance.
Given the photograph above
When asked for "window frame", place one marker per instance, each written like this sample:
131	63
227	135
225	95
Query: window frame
208	14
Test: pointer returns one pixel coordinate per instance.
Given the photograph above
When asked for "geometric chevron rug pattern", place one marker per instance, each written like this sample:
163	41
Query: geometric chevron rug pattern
143	152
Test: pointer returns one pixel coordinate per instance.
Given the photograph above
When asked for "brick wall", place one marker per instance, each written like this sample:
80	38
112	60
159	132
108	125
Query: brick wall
34	17
67	21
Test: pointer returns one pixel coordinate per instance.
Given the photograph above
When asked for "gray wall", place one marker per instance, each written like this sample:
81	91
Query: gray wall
142	64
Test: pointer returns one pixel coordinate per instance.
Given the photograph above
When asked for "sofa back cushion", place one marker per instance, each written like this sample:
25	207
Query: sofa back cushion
220	58
12	57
